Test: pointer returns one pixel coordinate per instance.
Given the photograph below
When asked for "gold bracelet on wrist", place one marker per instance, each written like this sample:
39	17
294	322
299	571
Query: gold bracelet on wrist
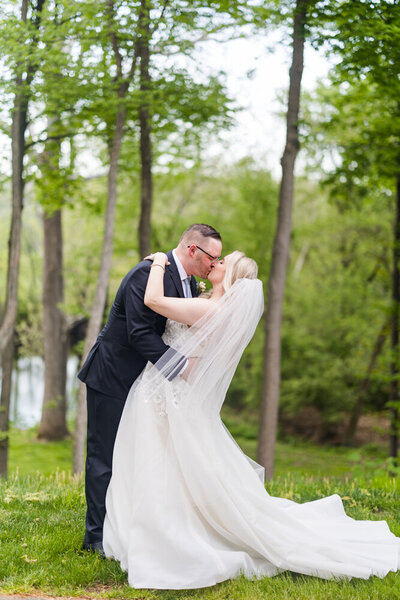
157	265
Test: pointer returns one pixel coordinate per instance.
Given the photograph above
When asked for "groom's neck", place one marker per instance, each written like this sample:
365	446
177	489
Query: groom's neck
183	260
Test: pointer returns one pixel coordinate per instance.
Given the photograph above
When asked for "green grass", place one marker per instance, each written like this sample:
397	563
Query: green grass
41	529
42	524
29	455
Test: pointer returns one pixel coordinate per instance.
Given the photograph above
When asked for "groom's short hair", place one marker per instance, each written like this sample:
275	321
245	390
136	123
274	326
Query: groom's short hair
198	230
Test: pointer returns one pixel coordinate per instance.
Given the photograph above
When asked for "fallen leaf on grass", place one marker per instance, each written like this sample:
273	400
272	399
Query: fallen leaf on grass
349	499
28	560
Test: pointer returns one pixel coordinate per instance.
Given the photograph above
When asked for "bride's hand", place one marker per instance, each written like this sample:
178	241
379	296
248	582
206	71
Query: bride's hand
158	257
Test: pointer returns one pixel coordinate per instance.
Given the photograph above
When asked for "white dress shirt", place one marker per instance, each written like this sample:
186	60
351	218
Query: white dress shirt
182	274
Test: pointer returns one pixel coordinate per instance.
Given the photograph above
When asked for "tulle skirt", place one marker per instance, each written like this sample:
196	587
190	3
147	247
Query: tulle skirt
187	509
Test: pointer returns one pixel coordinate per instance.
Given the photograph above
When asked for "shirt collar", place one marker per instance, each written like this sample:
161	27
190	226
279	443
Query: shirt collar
182	273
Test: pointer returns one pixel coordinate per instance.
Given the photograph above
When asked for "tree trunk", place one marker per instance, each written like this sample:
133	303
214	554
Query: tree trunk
146	184
14	249
14	244
99	301
53	424
364	386
108	236
6	378
23	78
18	127
280	254
394	386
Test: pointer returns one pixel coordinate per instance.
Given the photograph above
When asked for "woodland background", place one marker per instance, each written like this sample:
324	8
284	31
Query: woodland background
116	82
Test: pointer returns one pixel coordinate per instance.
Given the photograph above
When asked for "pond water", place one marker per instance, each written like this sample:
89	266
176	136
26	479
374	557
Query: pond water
27	390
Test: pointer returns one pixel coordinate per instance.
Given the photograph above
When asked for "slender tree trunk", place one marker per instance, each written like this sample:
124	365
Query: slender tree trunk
99	301
14	249
364	385
6	378
18	127
14	244
145	139
108	236
53	424
23	77
280	254
394	387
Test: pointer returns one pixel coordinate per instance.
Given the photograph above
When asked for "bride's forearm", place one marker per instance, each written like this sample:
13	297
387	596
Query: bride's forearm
183	310
155	284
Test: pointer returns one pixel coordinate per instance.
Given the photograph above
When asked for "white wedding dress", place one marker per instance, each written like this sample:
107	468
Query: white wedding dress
187	509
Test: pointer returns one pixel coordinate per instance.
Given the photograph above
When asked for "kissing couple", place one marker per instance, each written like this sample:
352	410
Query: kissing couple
169	493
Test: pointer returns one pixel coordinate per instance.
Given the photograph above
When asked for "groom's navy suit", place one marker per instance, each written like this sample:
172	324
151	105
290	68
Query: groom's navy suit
130	338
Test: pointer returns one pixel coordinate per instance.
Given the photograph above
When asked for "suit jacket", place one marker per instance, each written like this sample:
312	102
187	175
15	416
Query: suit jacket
132	334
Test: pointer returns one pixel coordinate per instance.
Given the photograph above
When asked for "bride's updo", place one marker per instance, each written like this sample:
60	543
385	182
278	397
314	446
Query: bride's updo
238	266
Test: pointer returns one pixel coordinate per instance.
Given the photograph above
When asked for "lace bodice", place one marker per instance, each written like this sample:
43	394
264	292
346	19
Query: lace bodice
172	331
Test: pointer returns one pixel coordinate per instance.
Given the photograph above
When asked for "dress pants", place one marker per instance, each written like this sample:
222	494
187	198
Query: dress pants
104	414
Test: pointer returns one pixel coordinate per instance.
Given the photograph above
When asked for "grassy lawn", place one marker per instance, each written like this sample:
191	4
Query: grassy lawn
42	521
29	455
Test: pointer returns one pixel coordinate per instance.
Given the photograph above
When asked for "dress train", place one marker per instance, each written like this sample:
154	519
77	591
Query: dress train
187	509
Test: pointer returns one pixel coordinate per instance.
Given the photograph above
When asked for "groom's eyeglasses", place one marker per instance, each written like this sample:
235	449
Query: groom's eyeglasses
213	258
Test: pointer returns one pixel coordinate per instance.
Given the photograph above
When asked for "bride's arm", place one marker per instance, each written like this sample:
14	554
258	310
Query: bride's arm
183	310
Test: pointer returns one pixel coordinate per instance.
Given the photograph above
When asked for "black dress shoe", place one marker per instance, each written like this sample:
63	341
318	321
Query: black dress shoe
96	547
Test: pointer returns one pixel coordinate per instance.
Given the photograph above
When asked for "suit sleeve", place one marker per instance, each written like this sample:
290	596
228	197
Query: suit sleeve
140	322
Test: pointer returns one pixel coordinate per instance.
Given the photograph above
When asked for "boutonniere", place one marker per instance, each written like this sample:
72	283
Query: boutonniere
201	287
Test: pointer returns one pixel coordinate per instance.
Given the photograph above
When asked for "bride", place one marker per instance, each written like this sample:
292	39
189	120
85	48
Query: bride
185	507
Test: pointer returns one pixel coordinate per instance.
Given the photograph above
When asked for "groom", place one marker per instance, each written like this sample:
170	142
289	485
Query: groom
130	338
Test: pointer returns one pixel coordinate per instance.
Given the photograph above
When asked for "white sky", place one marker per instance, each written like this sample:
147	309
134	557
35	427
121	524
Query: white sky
259	130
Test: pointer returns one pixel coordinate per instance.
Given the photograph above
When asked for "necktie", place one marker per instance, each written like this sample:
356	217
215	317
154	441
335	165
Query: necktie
188	292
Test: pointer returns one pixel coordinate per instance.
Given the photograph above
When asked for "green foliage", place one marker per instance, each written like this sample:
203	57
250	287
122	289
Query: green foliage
352	130
240	202
338	283
337	301
339	274
357	129
83	71
365	36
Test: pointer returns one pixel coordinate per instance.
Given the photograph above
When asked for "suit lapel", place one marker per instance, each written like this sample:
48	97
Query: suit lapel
172	271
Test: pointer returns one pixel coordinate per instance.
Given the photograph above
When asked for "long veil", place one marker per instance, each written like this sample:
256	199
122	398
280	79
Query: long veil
216	342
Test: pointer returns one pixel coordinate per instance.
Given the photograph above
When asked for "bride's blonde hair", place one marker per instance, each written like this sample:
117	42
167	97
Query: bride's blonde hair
238	266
